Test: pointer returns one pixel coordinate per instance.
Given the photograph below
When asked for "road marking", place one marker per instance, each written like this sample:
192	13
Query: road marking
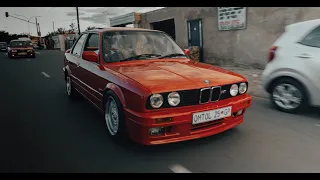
45	74
317	125
177	168
37	52
28	59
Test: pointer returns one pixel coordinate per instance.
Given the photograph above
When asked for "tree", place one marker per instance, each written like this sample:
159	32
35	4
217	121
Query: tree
7	37
90	27
72	28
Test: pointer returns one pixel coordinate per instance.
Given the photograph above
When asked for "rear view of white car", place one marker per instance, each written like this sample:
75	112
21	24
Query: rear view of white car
292	75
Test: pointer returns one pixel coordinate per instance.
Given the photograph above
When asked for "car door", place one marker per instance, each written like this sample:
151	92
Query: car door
309	53
74	60
89	71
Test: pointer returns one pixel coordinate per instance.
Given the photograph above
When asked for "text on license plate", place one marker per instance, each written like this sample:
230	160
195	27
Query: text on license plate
206	116
22	53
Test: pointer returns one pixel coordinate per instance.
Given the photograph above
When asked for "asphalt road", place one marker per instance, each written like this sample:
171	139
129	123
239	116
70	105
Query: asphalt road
42	131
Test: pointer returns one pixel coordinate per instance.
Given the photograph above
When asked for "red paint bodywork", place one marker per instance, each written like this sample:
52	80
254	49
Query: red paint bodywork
134	81
22	48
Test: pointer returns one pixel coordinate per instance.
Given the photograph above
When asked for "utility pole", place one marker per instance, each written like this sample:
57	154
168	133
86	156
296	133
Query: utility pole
37	25
78	20
39	34
53	25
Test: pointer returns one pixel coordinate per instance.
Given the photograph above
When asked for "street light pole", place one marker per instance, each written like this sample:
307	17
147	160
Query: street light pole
53	25
78	20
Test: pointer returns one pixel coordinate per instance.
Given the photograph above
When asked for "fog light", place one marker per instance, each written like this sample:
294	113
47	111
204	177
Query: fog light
239	112
162	120
156	131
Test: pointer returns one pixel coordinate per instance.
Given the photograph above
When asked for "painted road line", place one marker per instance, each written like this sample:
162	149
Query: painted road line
28	59
37	52
317	125
177	168
45	74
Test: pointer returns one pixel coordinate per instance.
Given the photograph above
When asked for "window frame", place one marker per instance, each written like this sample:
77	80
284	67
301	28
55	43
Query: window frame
310	32
75	44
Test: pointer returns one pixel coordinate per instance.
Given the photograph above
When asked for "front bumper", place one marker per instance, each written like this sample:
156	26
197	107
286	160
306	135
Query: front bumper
180	127
16	54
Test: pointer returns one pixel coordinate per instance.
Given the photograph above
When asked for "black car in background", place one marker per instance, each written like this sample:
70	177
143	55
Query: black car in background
3	46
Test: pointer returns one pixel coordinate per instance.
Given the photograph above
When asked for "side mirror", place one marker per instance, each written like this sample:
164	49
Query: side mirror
187	51
90	56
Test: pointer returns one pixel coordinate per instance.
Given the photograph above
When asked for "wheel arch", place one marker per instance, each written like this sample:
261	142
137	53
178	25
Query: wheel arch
117	90
299	81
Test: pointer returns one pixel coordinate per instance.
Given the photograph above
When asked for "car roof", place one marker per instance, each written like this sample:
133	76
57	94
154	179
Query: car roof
303	27
110	29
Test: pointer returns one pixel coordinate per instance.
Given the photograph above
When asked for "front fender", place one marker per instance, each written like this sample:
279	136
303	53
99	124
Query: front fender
116	89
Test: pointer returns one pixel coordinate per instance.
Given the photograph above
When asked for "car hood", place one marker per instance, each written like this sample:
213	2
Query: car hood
174	75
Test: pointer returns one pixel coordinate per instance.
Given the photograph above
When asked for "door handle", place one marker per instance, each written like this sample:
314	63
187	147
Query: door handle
305	56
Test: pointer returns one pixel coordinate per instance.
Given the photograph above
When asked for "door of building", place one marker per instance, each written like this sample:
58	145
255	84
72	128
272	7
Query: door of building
195	34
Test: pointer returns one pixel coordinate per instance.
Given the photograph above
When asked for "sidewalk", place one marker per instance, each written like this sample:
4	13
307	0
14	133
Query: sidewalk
254	79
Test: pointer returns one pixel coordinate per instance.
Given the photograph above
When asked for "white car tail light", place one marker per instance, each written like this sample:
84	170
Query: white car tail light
272	53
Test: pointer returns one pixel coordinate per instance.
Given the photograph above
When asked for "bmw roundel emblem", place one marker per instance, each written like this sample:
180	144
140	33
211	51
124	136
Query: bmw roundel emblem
206	81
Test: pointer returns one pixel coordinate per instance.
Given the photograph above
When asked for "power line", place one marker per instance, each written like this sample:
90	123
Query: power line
22	19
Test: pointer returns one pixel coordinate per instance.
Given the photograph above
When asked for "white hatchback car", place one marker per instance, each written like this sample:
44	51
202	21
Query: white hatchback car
292	75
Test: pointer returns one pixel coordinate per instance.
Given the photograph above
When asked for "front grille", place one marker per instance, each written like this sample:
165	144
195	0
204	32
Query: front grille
197	96
215	94
19	50
205	95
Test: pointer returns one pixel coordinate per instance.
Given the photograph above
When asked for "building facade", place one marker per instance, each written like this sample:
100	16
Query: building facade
248	46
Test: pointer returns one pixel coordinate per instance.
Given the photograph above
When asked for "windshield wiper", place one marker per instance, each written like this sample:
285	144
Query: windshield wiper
141	56
172	55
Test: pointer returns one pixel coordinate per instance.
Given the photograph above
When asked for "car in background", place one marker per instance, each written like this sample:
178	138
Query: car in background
292	75
149	90
3	46
20	48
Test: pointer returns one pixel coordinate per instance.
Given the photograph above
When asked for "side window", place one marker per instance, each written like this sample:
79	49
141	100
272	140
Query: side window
313	38
77	48
92	43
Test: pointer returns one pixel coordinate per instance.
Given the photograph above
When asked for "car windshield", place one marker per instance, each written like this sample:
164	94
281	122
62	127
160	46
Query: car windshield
138	45
19	43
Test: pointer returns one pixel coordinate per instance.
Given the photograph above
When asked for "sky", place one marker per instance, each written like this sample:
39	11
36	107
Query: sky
61	17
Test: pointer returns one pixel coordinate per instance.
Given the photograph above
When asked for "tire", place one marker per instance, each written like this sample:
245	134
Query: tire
292	93
70	91
117	131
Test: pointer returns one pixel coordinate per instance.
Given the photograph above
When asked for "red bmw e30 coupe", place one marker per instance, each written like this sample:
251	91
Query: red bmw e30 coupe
20	48
149	90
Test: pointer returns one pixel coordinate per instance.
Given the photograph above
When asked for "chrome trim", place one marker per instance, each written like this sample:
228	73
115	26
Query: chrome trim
210	97
201	95
212	91
86	85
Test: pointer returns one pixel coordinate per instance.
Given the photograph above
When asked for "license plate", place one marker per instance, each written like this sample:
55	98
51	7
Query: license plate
22	53
212	115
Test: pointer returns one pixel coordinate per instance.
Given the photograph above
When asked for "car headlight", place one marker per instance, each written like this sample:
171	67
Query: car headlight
173	99
234	90
242	88
156	100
